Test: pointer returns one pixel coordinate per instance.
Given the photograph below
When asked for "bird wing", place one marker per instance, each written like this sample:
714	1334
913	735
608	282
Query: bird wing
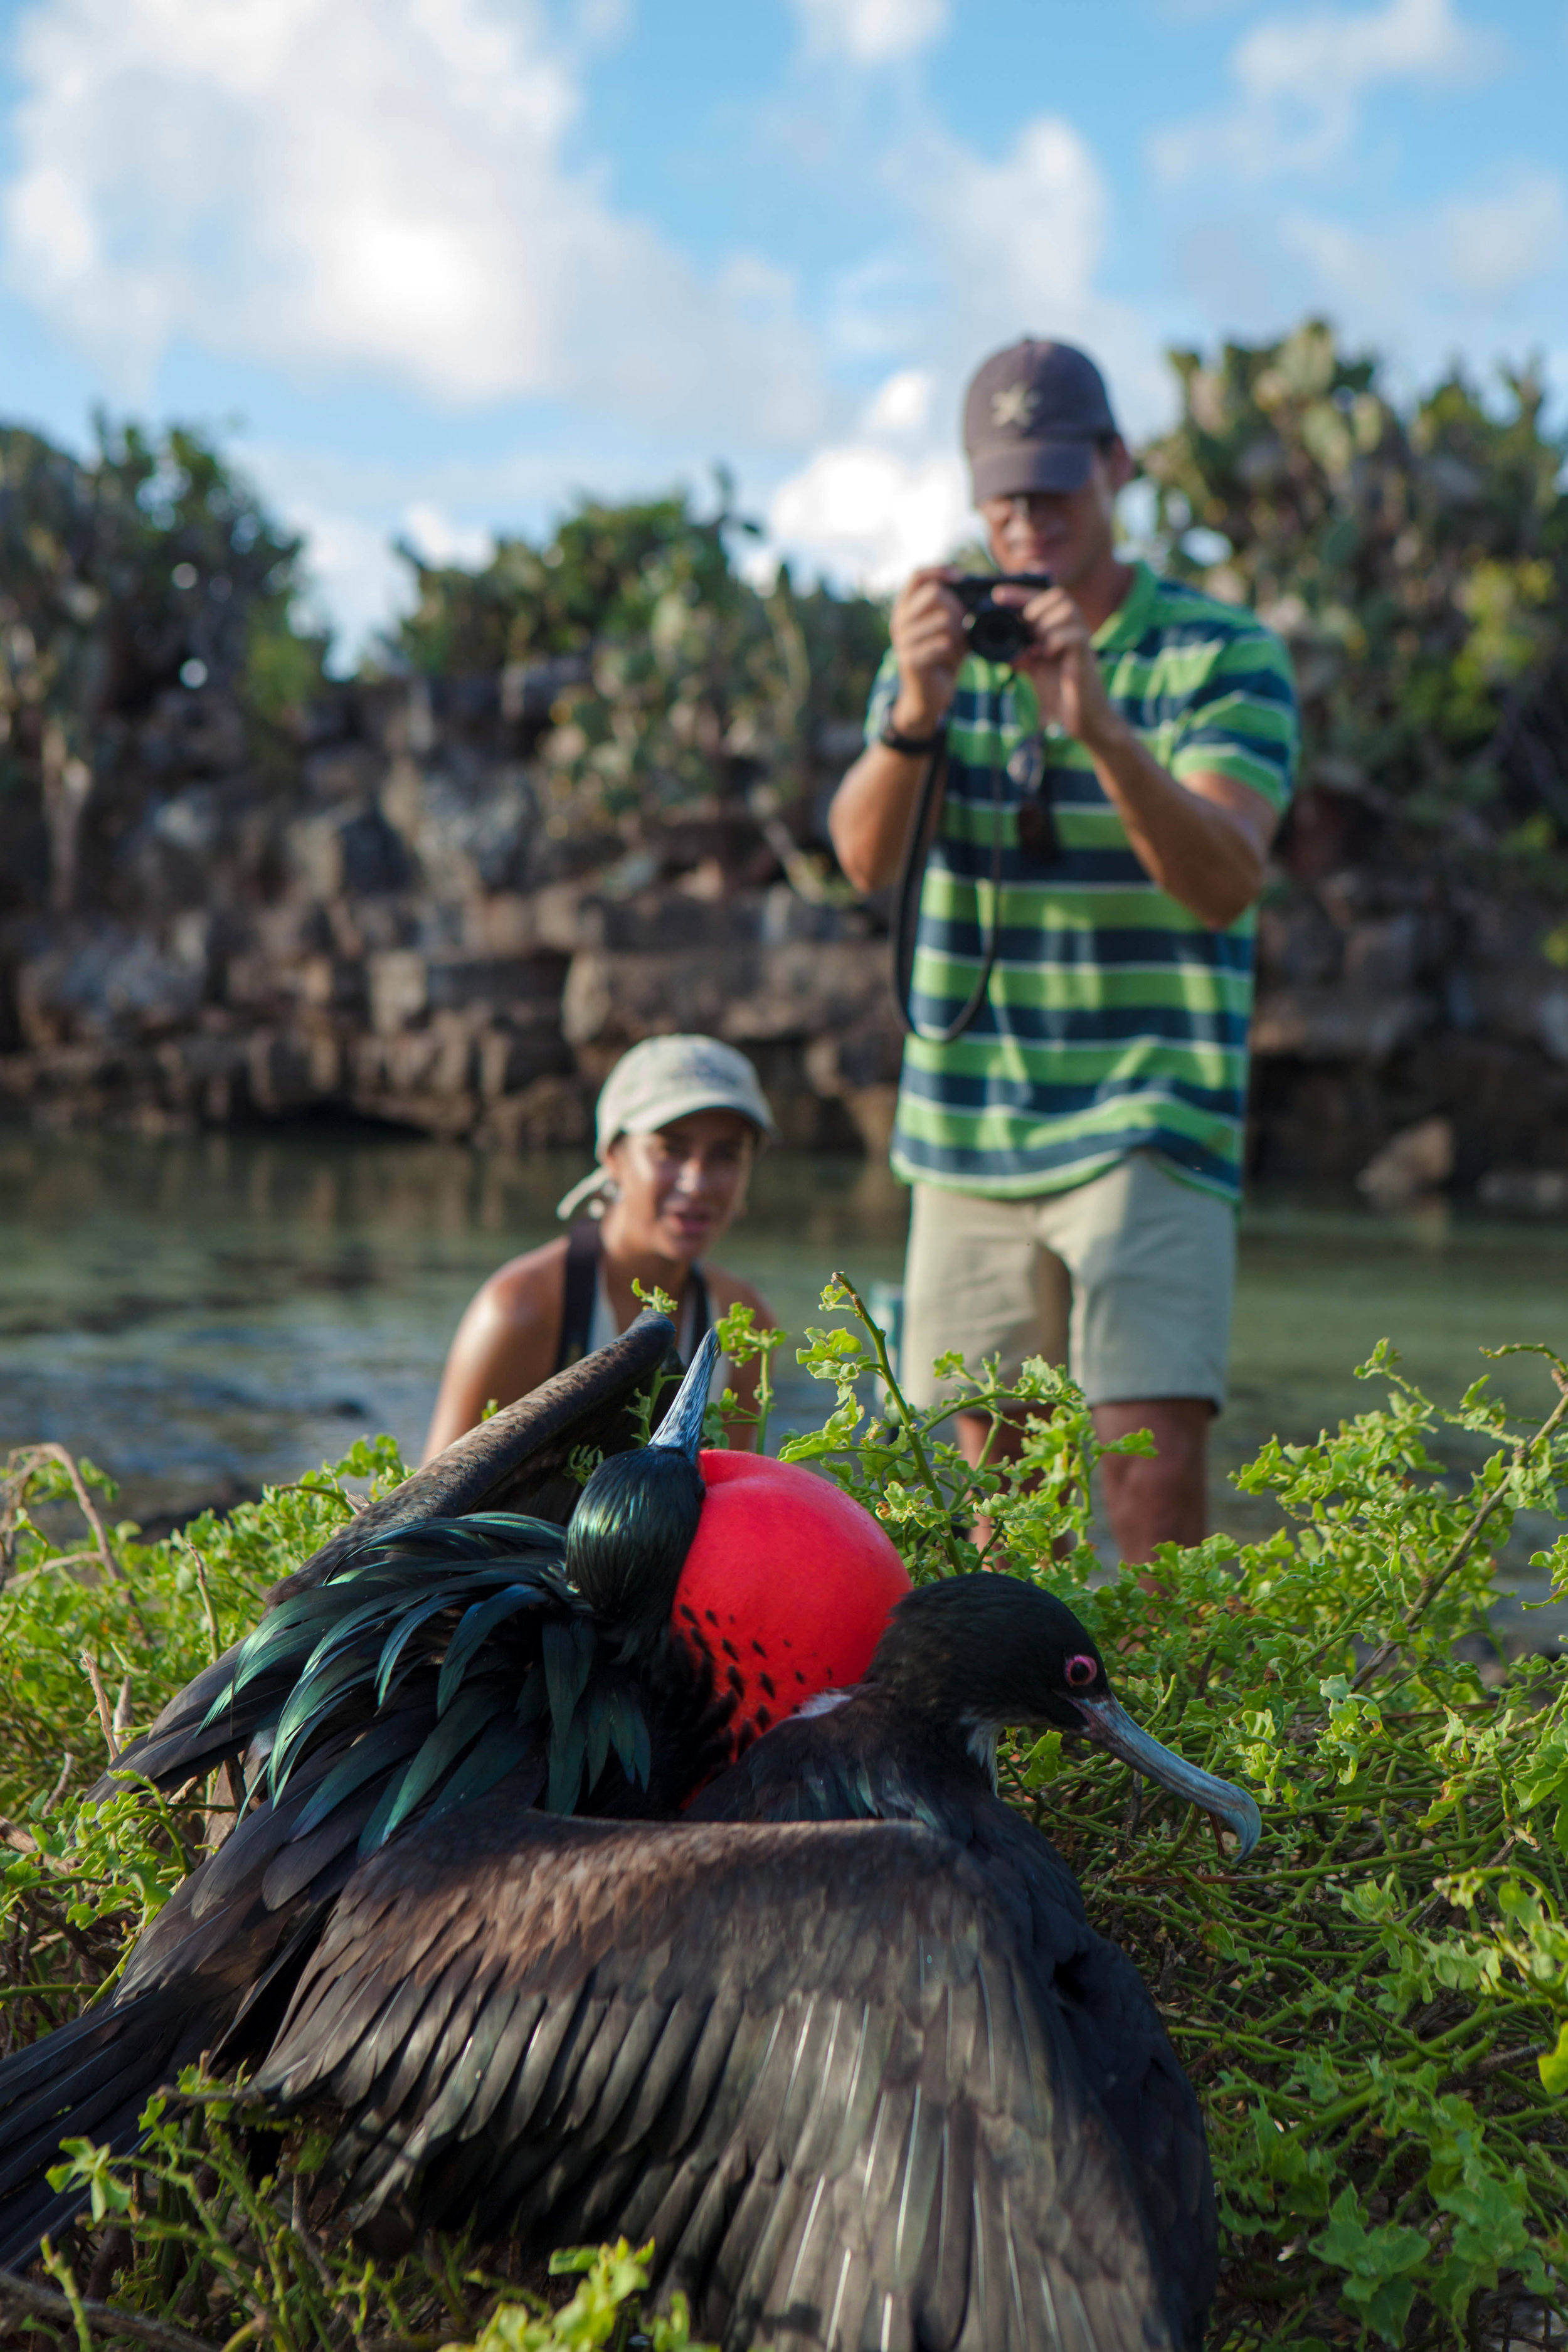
517	1462
230	1940
1126	2056
847	1765
811	2062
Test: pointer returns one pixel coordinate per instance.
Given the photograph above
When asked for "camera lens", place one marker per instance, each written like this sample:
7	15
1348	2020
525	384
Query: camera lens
996	633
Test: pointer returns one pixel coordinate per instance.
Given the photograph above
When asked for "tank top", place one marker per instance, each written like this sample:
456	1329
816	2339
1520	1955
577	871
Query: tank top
588	1321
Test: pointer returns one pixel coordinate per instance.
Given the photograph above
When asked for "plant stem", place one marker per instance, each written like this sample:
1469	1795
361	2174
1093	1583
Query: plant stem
1433	1584
928	1477
101	2318
50	1452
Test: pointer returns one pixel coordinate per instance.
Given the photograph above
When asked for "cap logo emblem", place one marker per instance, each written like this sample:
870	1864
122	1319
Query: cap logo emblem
1015	404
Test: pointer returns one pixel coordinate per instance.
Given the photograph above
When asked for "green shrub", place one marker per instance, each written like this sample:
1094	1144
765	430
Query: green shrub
695	684
1414	553
150	562
1374	2010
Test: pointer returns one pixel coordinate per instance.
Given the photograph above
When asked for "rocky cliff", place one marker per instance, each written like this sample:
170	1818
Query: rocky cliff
388	927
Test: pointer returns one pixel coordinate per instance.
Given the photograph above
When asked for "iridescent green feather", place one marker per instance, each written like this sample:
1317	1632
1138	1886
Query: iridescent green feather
456	1731
478	1622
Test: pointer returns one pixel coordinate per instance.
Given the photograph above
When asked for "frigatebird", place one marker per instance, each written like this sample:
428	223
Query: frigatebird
438	1647
841	2042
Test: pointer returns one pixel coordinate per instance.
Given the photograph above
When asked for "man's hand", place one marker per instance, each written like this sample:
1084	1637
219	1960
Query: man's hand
1205	839
928	646
1060	664
869	819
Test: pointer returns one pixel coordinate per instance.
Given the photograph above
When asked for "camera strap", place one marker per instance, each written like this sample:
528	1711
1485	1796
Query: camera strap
907	905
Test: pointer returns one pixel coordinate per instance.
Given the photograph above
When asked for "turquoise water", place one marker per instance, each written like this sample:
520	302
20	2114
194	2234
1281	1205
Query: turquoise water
199	1313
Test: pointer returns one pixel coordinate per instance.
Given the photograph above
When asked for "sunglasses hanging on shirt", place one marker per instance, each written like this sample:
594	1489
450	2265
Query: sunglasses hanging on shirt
1035	819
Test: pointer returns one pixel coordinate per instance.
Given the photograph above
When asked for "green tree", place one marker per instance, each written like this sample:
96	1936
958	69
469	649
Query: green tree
149	564
1416	555
693	685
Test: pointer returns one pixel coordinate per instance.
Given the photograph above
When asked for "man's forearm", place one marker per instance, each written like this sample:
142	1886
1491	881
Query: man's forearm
868	821
1202	854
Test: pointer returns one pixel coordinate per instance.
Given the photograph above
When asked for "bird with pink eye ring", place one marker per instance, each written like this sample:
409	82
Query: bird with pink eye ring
875	2077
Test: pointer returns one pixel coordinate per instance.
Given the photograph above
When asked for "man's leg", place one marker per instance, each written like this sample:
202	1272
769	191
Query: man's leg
975	1281
1153	1261
1150	1499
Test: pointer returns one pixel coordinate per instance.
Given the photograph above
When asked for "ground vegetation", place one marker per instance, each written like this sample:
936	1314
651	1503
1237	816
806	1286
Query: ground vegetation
1374	2009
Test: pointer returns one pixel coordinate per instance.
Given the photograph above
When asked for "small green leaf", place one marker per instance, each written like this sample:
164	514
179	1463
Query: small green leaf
1552	2066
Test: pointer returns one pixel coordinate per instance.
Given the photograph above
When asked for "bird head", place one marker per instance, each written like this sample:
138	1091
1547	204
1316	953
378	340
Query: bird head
630	1535
977	1654
777	1583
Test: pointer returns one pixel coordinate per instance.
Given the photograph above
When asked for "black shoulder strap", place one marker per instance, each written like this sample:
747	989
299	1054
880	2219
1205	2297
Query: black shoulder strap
924	820
701	1309
583	1246
906	905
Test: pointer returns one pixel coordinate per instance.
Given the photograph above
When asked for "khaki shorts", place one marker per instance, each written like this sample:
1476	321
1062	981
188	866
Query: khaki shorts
1127	1279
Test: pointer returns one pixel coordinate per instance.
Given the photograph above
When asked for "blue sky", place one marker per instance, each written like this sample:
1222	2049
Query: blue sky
436	265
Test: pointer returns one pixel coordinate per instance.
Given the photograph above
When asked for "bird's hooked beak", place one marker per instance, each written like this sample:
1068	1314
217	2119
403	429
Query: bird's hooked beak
1107	1722
681	1428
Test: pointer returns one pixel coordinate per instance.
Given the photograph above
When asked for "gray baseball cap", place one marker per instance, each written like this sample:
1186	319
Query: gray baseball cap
1032	417
660	1081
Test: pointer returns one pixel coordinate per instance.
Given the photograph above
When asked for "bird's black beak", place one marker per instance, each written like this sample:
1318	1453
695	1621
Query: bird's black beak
681	1428
1107	1722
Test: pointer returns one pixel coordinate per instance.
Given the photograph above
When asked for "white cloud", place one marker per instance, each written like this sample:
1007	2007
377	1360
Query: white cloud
1016	246
867	513
1300	82
356	586
871	32
1025	233
903	403
433	534
1426	284
371	186
1497	242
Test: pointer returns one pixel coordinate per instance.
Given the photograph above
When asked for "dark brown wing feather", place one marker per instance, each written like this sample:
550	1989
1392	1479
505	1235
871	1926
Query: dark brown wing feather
226	1946
516	1460
812	2063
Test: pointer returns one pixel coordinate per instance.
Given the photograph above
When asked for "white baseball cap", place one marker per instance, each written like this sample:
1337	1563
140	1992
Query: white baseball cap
658	1082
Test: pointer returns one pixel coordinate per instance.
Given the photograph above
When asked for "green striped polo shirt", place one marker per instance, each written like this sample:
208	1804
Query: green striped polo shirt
1114	1020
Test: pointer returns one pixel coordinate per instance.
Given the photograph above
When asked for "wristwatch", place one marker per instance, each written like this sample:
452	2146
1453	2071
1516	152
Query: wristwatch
896	740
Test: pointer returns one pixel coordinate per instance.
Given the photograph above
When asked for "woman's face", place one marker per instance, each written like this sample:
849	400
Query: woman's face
680	1186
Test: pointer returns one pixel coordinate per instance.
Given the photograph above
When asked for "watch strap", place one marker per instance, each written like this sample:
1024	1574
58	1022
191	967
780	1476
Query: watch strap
896	740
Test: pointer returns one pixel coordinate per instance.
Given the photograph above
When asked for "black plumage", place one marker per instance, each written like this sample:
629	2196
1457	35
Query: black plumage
811	2062
842	2043
408	1667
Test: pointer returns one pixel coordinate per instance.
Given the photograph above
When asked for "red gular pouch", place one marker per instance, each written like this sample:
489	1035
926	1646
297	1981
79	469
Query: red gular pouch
786	1587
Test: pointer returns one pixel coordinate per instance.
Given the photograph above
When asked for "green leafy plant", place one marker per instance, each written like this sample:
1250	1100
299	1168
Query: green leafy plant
1414	553
148	567
681	685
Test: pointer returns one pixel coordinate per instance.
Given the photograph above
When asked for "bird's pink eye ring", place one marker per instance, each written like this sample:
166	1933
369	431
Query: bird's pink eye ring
1081	1672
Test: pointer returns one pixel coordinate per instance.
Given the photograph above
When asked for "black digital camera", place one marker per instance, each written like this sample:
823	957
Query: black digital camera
996	633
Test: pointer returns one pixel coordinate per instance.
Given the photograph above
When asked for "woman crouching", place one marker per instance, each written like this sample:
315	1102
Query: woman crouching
679	1124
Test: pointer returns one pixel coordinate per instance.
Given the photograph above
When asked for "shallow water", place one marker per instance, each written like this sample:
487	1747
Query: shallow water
200	1313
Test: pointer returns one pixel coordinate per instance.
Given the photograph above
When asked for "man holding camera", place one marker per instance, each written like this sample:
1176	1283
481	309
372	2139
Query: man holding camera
1070	1113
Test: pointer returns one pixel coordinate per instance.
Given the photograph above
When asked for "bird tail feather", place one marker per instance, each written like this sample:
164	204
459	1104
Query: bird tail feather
89	2079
